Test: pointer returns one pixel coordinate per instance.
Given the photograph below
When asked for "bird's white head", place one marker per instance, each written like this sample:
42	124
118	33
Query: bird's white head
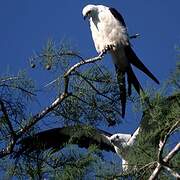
90	11
120	140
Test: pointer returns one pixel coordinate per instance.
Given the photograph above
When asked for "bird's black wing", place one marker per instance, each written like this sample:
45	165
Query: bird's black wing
118	16
96	137
57	138
51	138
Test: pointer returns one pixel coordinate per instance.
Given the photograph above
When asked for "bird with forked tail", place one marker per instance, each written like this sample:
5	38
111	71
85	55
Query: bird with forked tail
109	33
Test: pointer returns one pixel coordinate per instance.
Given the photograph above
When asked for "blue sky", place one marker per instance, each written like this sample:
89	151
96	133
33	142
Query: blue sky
27	25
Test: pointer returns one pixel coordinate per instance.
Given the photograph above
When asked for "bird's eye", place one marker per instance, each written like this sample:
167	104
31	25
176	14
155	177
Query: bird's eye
117	137
88	13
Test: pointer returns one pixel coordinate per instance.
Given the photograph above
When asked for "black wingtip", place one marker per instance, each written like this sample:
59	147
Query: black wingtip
123	104
123	113
156	81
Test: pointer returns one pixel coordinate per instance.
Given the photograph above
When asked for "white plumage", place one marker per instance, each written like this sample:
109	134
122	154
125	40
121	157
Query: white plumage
109	32
122	144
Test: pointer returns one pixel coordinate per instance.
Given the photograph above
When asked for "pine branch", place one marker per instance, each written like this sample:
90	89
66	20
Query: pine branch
9	79
9	148
37	117
4	110
19	88
94	88
63	95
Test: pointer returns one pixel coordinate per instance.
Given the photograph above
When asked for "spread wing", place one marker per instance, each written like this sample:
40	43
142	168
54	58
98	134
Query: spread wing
57	138
133	137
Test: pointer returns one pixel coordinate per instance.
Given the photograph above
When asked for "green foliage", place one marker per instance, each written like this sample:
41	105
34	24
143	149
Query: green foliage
56	57
94	101
175	78
160	114
95	98
15	93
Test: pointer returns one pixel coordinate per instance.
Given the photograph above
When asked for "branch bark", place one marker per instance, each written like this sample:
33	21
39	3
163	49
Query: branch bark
163	143
83	62
173	173
172	153
163	161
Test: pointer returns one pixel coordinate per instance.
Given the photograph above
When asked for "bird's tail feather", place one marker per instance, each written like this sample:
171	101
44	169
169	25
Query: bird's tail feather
136	62
132	80
122	87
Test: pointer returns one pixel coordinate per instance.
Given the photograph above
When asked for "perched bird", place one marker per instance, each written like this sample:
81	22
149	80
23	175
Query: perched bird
57	138
109	33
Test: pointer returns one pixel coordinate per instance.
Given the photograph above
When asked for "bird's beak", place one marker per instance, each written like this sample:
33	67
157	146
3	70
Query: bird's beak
85	16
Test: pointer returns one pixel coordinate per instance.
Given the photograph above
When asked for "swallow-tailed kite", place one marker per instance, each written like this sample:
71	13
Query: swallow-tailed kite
109	33
57	138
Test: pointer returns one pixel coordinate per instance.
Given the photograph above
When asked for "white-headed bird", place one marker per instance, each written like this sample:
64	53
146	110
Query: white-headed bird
109	33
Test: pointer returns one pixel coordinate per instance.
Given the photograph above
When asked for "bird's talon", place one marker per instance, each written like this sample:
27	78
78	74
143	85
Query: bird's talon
104	51
108	48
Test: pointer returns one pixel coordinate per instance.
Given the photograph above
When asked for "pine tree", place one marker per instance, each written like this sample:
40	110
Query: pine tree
84	92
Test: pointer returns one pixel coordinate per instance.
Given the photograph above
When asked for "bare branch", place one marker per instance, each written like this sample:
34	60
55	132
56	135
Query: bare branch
88	61
155	172
43	113
172	153
173	173
163	143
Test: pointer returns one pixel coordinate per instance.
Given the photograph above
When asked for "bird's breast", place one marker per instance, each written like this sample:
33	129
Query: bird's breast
122	151
107	31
